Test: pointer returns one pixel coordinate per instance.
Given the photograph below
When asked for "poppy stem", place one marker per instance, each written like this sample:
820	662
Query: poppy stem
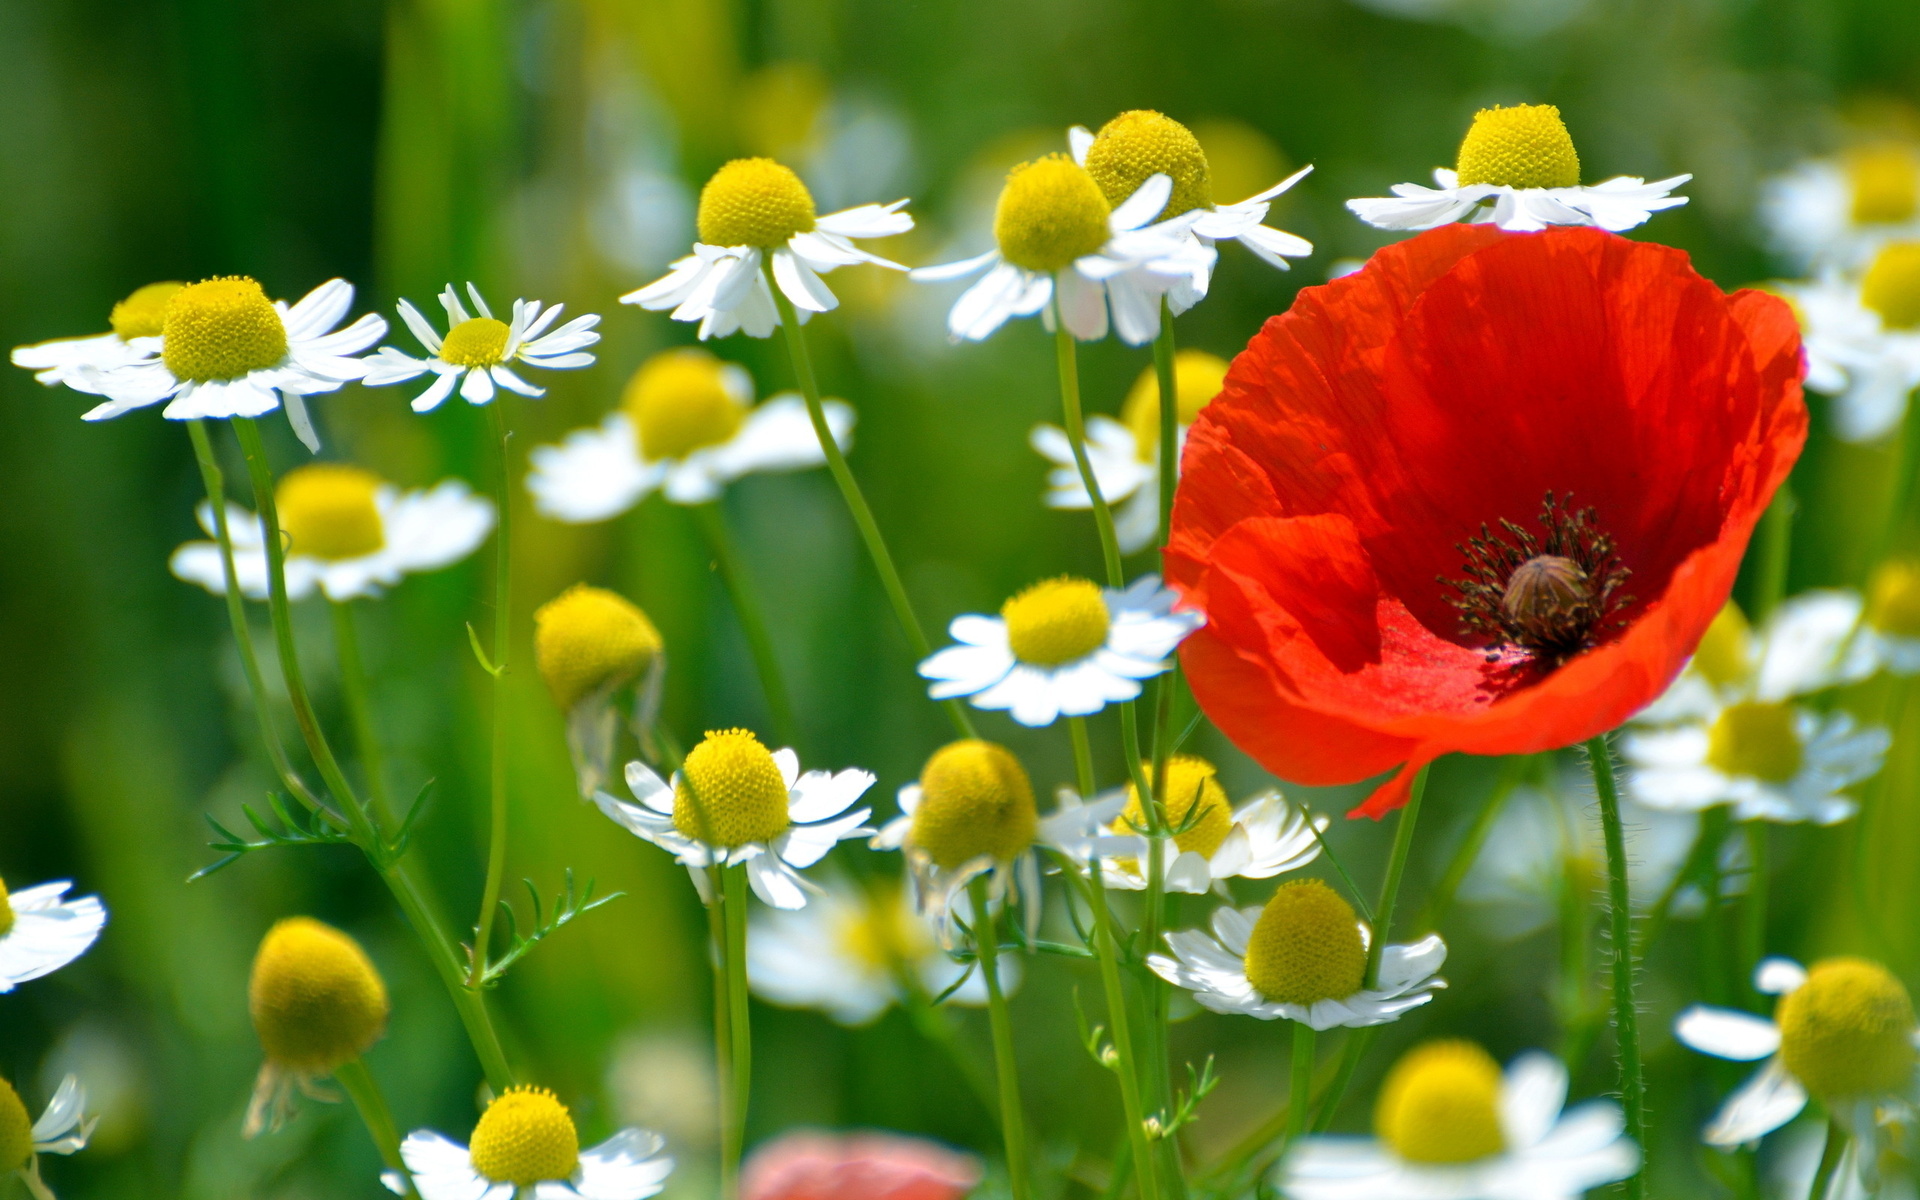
1013	1127
753	622
371	1104
1626	1016
1396	871
502	643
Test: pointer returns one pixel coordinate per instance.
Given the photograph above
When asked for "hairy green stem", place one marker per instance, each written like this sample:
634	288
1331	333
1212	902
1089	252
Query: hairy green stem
1013	1127
753	623
1626	1015
371	1103
502	643
359	701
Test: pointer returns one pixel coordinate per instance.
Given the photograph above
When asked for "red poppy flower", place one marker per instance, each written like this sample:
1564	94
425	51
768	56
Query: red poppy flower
1484	495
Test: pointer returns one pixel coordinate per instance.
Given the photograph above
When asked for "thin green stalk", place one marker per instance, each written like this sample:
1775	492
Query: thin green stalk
1626	1015
1829	1161
1776	552
732	1135
1513	769
1013	1126
502	642
1066	359
1359	1041
856	501
364	1091
353	687
1163	366
1753	923
734	909
753	623
1300	1095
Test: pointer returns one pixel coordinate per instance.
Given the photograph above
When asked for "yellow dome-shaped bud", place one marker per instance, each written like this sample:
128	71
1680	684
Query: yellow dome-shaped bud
684	400
1137	145
975	802
754	202
525	1137
144	314
1885	183
1056	622
1306	946
1891	286
1050	213
221	329
1848	1030
882	932
476	342
1197	379
6	911
16	1130
1721	658
1756	739
1193	784
730	792
1526	146
327	510
316	1000
1893	599
588	639
1441	1104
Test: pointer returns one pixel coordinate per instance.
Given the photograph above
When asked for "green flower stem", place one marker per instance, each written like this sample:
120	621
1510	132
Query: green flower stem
502	643
1774	552
1013	1124
733	909
1829	1160
1900	480
1300	1094
1066	358
856	501
1626	1016
353	687
1163	355
215	481
753	623
409	891
731	1133
1753	922
368	1100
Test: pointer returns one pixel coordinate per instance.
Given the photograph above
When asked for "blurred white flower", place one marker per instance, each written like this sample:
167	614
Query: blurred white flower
1839	212
479	350
40	932
1868	363
66	361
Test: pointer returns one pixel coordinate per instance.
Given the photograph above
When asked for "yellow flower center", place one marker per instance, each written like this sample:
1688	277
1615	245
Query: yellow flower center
730	792
1893	601
679	402
588	640
221	329
1885	182
1306	946
327	510
316	1000
525	1137
1056	621
1757	740
1848	1030
1050	213
1441	1104
883	933
1197	379
1142	143
1891	286
1192	783
143	314
476	342
975	802
1526	146
754	202
1722	655
16	1130
6	911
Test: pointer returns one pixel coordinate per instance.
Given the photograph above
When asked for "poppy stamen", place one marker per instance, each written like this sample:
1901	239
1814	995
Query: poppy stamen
1549	597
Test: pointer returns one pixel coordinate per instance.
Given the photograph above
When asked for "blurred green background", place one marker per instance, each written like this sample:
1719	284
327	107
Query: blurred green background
552	148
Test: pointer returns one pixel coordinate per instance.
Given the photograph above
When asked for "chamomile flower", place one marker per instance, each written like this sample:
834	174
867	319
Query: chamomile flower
526	1145
733	802
1890	631
1136	145
754	210
590	645
1862	338
1125	454
851	952
1839	212
687	427
66	361
1451	1126
317	1003
63	1128
1518	169
225	350
1842	1032
1064	647
40	932
1302	956
1062	246
348	533
479	350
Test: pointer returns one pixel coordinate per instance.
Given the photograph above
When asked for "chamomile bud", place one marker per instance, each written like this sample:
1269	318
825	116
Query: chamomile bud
1893	599
1891	286
589	640
1194	799
221	329
328	511
316	1000
754	202
1056	621
975	802
16	1129
1137	145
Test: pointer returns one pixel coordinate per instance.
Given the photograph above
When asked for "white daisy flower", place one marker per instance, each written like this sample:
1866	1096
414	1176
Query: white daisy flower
1862	338
1890	631
686	426
526	1146
1518	170
732	801
1451	1126
1839	212
225	350
754	210
1302	956
63	1128
348	533
73	362
1136	145
1843	1032
40	932
846	953
1062	246
1125	454
1064	647
478	351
